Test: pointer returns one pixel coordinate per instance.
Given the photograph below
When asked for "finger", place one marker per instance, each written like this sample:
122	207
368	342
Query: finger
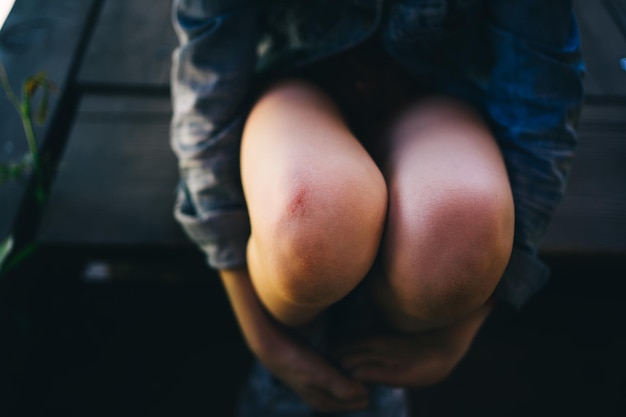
345	389
324	401
418	374
375	373
361	349
339	385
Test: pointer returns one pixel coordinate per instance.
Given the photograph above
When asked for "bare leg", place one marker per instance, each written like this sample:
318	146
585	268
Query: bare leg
450	224
448	239
316	199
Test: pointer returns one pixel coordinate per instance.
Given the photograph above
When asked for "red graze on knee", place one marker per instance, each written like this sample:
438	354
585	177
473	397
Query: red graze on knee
297	204
323	252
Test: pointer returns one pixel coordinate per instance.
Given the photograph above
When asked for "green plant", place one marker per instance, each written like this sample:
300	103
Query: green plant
5	248
31	161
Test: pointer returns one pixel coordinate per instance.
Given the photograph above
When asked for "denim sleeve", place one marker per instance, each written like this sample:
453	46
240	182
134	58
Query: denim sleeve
211	74
534	95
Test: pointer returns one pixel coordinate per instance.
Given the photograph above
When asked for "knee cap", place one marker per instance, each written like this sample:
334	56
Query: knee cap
455	256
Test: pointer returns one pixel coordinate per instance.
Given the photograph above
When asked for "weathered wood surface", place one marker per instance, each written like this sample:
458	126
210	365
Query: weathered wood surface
116	179
132	45
39	35
617	9
592	216
133	48
604	45
116	182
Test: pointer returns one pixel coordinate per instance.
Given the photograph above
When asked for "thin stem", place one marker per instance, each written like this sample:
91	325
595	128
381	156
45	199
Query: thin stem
8	90
25	112
23	107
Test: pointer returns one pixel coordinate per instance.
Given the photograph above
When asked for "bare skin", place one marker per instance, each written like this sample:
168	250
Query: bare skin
318	383
439	214
414	360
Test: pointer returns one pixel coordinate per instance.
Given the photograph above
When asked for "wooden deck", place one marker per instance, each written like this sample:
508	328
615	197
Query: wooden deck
115	179
39	36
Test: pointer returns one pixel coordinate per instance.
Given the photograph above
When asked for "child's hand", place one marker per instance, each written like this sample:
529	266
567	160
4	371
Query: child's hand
309	375
411	360
318	383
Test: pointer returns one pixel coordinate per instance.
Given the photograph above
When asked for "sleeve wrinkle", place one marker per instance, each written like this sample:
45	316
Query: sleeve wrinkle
211	74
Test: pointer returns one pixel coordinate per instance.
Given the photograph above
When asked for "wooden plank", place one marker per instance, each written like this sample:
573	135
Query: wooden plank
39	35
133	48
617	8
592	216
132	45
116	181
604	45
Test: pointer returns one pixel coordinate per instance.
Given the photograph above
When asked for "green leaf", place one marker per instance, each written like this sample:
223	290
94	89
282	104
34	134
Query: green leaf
5	249
33	83
4	80
16	170
30	87
40	195
42	110
12	171
21	256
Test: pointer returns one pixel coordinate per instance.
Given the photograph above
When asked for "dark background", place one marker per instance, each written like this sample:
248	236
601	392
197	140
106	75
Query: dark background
156	337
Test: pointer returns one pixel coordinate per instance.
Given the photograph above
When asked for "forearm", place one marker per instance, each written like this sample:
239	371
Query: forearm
258	328
307	373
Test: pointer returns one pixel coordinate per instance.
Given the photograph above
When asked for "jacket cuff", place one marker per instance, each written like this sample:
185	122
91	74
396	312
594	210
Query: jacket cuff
221	234
523	277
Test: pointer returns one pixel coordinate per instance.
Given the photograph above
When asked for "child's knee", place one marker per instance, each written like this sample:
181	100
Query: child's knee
323	238
450	258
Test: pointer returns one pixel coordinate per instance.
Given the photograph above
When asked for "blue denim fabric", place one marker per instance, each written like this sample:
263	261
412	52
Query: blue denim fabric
518	62
266	396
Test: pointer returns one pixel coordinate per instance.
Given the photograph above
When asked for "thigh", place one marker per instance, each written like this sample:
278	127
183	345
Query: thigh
450	223
316	201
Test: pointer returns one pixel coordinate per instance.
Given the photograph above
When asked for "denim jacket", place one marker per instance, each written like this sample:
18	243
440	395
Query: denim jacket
517	61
